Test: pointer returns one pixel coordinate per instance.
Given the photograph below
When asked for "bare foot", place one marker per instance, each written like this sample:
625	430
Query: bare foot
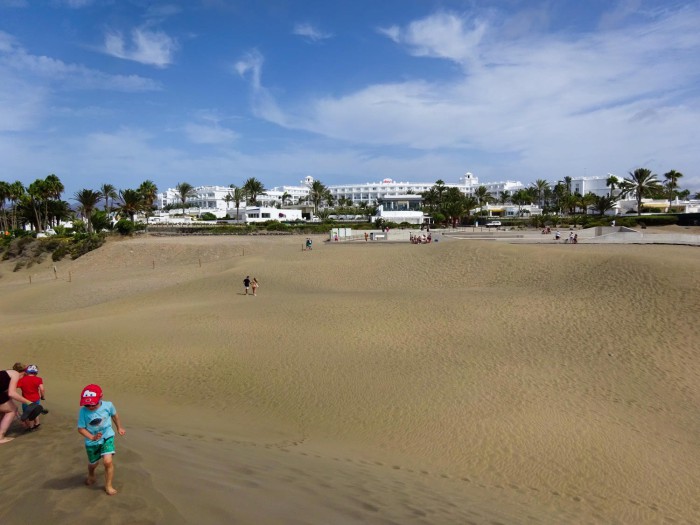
90	480
5	440
111	491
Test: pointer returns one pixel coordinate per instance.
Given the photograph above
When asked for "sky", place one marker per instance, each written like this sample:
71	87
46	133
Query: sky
213	92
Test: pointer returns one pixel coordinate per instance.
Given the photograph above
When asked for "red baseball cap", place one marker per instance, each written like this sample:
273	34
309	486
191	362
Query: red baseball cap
92	394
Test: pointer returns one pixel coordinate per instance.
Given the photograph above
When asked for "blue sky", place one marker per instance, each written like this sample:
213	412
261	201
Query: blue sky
217	91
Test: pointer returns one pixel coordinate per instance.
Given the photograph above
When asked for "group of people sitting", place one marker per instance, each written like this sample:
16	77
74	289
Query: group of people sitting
573	237
421	239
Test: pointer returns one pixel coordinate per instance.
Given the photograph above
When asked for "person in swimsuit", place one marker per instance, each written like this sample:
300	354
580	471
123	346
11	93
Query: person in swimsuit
8	393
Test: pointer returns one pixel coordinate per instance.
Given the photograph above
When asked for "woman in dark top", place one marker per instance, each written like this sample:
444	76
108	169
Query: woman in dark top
8	392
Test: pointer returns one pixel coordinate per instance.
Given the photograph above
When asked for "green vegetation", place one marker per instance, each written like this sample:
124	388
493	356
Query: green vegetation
27	250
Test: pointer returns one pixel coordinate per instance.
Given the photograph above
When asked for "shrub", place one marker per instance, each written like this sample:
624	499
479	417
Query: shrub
60	252
276	226
100	221
125	227
86	245
208	216
79	226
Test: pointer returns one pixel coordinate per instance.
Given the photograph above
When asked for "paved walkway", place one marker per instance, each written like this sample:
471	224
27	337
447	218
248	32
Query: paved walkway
597	235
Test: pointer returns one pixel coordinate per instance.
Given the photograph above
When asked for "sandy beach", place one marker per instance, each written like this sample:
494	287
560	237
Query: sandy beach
451	383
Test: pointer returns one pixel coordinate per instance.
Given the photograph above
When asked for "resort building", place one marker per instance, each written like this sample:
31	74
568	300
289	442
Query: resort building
397	201
373	192
211	199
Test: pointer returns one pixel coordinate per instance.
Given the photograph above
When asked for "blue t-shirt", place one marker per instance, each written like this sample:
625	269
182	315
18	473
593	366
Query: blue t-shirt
98	420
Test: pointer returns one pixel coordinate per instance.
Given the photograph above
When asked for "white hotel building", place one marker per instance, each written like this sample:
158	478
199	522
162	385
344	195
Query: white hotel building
212	198
372	192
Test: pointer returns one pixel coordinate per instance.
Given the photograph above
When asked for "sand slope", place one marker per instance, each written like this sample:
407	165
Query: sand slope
457	382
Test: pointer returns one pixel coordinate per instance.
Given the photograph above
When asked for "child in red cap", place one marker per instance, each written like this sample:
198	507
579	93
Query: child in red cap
95	425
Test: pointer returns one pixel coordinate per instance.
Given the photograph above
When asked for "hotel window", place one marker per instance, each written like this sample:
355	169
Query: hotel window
254	216
265	215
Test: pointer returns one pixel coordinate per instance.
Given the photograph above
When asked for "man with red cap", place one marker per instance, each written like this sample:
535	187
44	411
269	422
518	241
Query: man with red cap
95	425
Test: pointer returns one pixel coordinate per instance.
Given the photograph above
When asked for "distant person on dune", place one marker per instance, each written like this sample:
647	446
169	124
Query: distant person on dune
254	285
246	283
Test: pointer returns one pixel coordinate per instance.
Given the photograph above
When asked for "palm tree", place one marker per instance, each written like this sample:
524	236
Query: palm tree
107	191
16	192
228	199
612	182
4	195
671	184
604	203
440	188
431	199
184	190
58	211
520	198
586	201
37	193
540	186
149	194
484	197
328	197
640	183
567	182
238	197
455	205
54	188
505	197
286	197
317	193
87	202
132	202
252	188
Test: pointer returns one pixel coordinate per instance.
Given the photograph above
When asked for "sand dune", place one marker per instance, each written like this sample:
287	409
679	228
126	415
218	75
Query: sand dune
457	382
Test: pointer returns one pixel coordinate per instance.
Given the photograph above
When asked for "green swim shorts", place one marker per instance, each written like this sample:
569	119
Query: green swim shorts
95	452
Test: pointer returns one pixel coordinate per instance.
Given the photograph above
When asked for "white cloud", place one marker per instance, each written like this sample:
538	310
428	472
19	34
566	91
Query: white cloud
442	35
547	102
209	134
153	48
50	71
310	32
264	105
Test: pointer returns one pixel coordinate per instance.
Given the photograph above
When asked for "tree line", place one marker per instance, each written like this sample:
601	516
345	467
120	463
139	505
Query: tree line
449	204
40	204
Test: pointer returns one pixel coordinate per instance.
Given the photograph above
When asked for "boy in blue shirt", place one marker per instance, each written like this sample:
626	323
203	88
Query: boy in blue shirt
95	425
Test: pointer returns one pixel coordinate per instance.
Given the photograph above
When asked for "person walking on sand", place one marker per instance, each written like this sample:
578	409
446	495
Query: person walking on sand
32	387
246	283
95	425
8	393
254	285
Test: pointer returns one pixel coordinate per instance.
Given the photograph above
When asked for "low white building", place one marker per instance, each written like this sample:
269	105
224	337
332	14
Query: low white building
268	213
401	208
